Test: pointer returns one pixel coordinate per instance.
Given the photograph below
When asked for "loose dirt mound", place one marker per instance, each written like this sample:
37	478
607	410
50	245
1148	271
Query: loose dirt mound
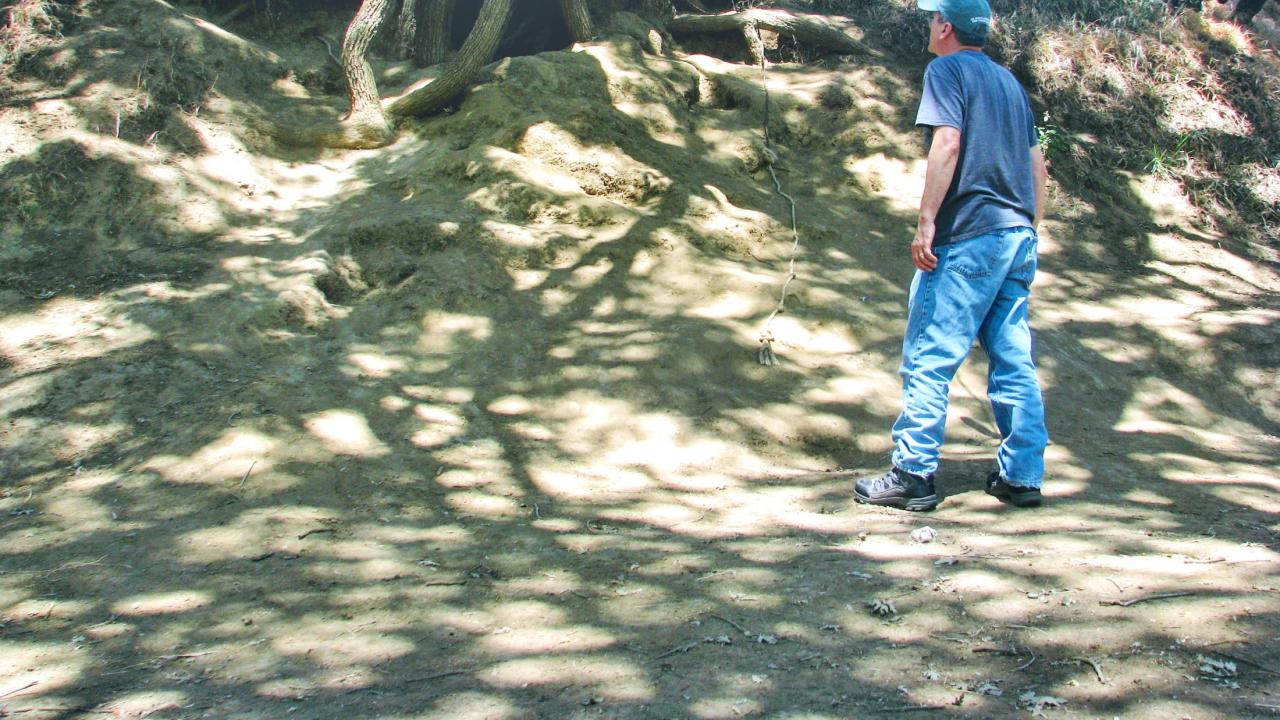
472	426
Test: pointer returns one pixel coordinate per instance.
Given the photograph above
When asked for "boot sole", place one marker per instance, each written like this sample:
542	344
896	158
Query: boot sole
1014	500
923	504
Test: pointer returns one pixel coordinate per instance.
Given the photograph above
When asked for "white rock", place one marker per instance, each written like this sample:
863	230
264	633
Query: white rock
924	534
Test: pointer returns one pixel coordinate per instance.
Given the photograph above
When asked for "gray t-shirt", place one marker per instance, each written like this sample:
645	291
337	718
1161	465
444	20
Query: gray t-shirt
993	186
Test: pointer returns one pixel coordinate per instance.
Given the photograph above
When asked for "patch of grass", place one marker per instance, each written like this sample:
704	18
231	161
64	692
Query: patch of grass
1167	162
29	26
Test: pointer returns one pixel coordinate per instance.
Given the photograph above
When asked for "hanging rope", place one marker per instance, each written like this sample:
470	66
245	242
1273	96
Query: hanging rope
765	354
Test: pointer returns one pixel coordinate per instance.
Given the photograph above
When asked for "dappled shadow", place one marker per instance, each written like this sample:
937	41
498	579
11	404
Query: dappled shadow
479	432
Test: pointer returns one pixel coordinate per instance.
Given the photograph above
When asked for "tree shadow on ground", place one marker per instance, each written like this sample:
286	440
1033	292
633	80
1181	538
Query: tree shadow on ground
511	467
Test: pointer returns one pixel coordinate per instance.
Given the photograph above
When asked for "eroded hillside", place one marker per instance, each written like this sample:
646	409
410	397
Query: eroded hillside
473	425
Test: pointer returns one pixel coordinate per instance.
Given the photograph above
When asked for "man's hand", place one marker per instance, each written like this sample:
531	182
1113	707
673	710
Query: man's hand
922	248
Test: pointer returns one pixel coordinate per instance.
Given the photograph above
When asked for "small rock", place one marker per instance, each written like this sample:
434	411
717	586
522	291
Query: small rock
924	534
1035	703
1215	668
989	688
883	608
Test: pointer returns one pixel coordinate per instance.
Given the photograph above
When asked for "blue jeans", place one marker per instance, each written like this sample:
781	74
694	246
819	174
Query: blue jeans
979	291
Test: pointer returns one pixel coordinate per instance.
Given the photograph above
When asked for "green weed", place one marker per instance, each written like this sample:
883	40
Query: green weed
1054	142
1168	162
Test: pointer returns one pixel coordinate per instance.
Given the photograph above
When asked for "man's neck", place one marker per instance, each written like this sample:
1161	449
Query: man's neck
960	48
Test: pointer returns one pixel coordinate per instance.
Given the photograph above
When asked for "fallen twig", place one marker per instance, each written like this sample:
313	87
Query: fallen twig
439	675
681	649
18	690
69	566
315	531
1135	601
996	651
909	708
735	625
687	522
1030	662
720	640
246	475
1027	627
184	656
1093	664
80	709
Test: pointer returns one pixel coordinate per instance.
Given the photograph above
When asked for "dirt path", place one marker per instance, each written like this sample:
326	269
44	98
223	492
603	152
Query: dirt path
472	427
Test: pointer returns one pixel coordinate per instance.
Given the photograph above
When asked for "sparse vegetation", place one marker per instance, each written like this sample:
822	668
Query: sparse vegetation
28	26
473	425
1054	142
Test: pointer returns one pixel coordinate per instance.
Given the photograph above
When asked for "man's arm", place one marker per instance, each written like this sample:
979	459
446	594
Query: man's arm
943	154
1040	174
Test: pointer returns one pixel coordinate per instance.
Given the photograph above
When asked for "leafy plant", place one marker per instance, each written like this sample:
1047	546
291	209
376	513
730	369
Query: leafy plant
1054	142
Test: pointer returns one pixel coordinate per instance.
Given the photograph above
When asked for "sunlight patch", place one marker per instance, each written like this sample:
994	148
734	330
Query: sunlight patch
476	503
68	330
577	485
338	645
532	640
160	604
228	457
470	706
148	702
46	609
346	433
376	365
618	680
451	332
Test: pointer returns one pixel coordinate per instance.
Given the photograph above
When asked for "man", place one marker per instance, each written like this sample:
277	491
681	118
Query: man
975	254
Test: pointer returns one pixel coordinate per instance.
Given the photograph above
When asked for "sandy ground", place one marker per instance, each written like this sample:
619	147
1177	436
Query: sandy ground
472	426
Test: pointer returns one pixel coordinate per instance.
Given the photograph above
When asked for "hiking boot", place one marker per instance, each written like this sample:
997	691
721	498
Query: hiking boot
1016	495
897	488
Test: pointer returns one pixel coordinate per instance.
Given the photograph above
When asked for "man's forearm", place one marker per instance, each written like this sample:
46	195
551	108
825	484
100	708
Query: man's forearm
941	167
1040	176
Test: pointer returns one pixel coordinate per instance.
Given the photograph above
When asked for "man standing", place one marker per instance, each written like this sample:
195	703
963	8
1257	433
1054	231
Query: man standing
975	254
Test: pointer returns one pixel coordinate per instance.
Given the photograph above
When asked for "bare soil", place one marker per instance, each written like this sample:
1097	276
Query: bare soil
472	426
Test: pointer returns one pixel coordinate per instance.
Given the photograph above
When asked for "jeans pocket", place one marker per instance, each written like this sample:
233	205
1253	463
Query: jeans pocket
972	259
1024	269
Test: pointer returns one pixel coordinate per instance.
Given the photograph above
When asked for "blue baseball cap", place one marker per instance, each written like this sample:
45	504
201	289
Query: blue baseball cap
970	17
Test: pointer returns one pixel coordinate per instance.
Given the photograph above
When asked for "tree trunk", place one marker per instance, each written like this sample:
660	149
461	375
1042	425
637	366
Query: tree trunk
422	98
365	123
578	20
406	28
811	29
432	44
755	43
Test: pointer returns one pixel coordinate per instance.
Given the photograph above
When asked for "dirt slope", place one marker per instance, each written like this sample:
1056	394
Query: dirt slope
472	426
